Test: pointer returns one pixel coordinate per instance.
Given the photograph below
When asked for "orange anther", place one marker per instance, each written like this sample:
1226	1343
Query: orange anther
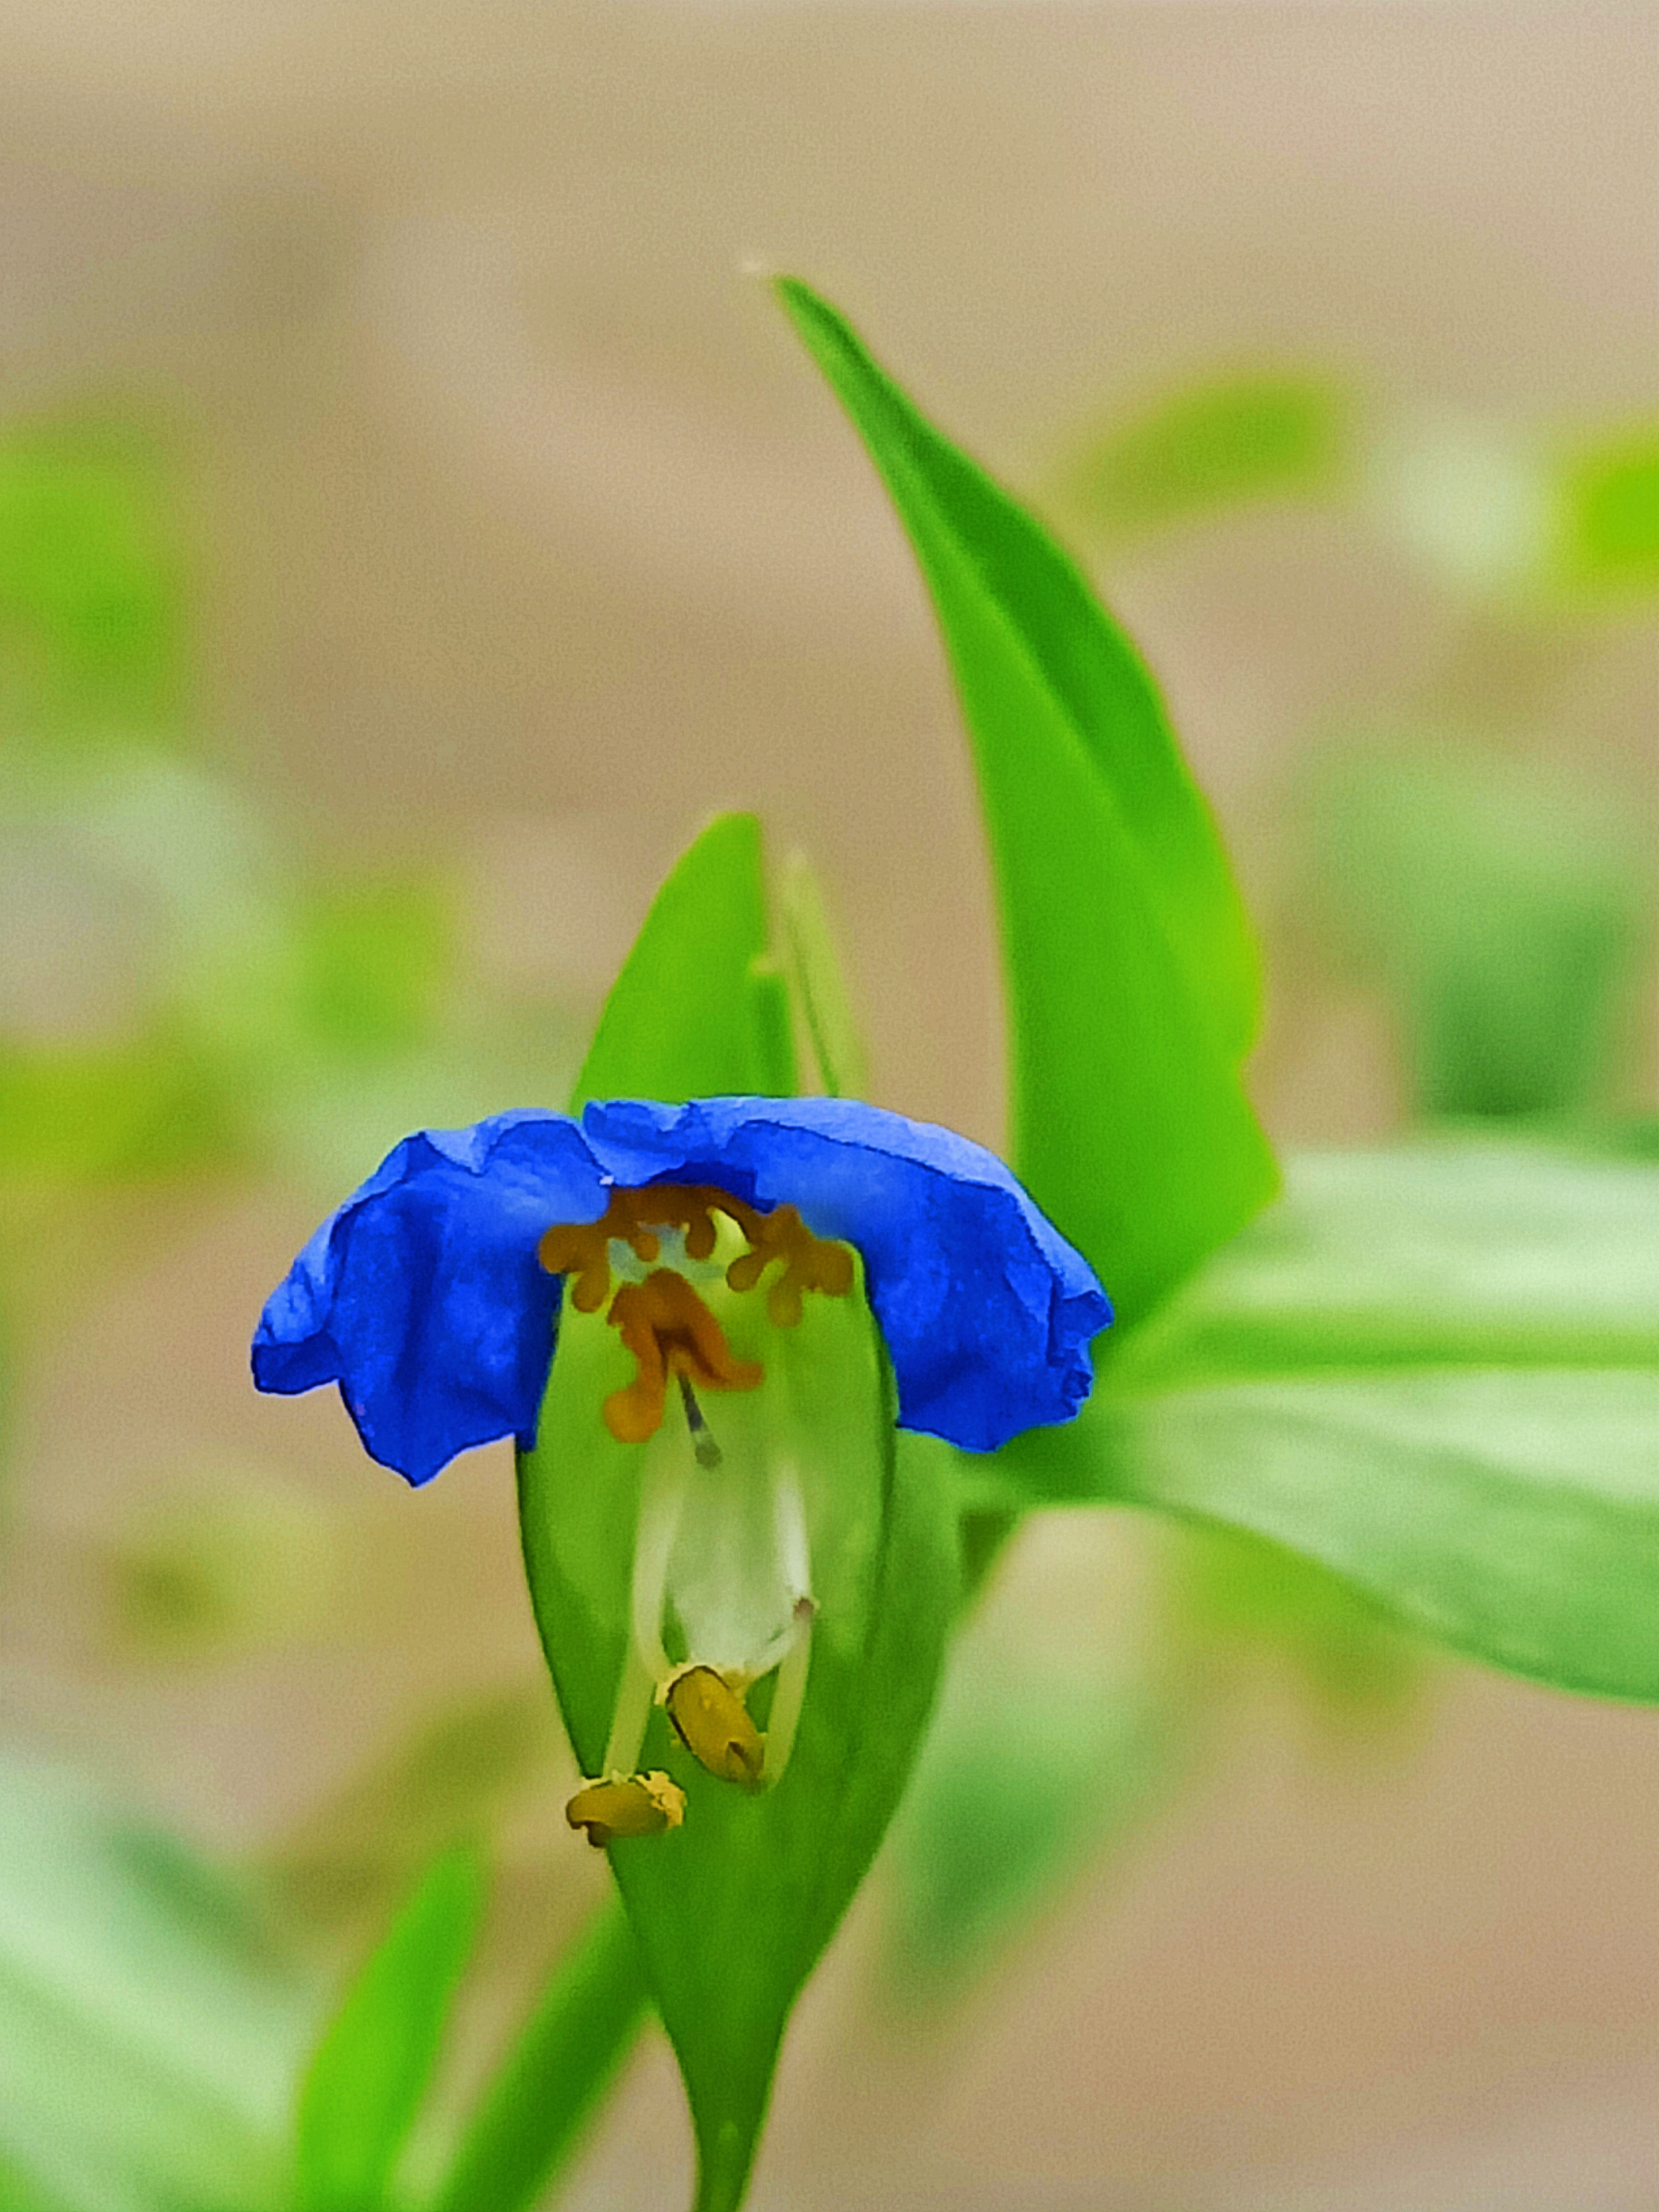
670	1331
810	1263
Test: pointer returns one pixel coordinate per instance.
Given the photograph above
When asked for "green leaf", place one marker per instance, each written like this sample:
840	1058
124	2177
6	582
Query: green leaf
150	2027
820	987
732	1908
376	2057
1261	436
1510	1513
698	1010
1474	1251
1433	1370
1131	969
531	2116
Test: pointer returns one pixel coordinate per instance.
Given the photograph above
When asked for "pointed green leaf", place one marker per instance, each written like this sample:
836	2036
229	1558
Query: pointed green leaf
531	2116
732	1908
820	986
1131	969
696	1011
370	2070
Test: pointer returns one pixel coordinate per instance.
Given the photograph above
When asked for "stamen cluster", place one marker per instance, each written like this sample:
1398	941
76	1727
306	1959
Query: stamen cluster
664	1321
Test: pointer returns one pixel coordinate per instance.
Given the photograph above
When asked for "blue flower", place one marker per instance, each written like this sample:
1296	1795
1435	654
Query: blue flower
428	1296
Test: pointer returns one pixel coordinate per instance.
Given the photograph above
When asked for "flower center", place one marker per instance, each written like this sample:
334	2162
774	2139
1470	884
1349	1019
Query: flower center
663	1320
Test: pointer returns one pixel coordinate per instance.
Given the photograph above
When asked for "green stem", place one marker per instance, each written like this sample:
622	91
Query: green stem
566	2056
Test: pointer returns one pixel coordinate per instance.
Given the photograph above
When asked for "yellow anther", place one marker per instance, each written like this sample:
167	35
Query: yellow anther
627	1805
670	1331
712	1723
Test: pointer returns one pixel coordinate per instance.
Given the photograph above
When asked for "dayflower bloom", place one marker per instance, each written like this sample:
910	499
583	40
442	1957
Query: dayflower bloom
690	1245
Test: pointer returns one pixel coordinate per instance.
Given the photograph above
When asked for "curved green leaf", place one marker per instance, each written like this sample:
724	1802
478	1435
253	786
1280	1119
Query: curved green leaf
820	987
1131	972
372	2066
699	1009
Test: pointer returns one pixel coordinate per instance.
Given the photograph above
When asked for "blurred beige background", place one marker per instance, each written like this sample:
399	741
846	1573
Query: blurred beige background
527	538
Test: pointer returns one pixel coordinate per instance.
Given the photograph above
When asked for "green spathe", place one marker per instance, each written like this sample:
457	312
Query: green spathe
732	1909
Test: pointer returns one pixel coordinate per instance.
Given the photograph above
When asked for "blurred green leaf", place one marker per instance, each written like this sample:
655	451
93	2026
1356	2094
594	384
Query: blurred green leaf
698	1008
1235	1596
359	1849
91	593
1061	1729
1505	909
150	2029
1610	508
1131	971
1510	1513
820	986
1262	435
370	2071
89	1113
531	2114
373	958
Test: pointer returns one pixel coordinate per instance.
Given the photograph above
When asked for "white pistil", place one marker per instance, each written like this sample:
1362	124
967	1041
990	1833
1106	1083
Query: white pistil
722	1538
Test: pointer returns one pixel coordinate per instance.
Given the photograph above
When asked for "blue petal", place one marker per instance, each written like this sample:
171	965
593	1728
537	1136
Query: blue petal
423	1296
986	1310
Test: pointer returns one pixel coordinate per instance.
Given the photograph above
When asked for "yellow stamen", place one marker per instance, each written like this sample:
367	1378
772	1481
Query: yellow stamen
670	1331
712	1723
627	1805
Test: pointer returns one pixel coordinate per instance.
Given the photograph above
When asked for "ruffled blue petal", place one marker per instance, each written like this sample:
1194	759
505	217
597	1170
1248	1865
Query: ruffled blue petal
986	1310
423	1296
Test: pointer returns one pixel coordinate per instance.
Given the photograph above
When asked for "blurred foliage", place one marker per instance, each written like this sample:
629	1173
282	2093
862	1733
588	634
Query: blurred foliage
1505	909
1260	435
450	1778
1235	1599
202	1571
1611	513
1063	1725
91	574
151	2021
369	2072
